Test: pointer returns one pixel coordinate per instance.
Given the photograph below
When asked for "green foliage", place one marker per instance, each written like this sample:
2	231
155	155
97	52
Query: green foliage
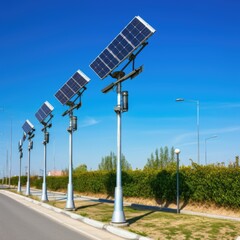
202	184
80	169
163	159
57	183
92	182
14	180
237	161
109	163
138	183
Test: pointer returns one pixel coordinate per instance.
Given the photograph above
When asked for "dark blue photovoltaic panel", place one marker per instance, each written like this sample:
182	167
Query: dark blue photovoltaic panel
126	42
80	79
61	97
27	127
120	47
67	90
74	85
44	111
71	87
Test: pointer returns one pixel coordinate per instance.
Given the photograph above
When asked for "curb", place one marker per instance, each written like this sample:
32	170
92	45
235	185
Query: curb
97	224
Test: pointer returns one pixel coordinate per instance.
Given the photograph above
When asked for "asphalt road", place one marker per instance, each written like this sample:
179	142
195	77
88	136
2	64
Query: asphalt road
18	222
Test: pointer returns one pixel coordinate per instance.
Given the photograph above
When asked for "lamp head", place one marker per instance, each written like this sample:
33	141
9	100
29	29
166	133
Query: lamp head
179	99
177	151
24	136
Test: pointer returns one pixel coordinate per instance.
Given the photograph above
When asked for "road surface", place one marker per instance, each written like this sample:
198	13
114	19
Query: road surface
20	222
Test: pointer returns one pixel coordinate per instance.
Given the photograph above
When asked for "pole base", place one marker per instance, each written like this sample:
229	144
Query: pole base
28	189
19	190
44	193
125	224
118	216
70	206
70	209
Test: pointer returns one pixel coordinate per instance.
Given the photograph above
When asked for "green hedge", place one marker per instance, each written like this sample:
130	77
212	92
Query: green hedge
203	184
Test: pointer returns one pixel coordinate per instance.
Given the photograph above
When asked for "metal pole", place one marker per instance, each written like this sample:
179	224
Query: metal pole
28	175
10	162
7	169
70	201
198	109
118	216
44	185
198	125
177	151
19	179
205	151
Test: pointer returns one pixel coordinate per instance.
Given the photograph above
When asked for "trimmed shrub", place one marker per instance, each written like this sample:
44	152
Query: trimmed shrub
202	184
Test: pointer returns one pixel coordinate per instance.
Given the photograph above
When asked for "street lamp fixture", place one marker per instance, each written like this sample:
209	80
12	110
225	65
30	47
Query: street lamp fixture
177	152
179	99
127	45
198	141
20	149
72	98
44	116
28	129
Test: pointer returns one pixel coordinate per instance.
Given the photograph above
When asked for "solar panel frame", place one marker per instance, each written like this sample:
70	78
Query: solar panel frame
71	87
27	127
122	46
44	111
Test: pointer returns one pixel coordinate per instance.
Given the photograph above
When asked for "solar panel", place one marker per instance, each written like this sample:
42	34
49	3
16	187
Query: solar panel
126	42
71	87
27	127
44	111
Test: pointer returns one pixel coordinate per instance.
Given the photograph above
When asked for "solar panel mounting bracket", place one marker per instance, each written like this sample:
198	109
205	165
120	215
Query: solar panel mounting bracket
72	105
133	56
47	124
30	136
122	78
120	75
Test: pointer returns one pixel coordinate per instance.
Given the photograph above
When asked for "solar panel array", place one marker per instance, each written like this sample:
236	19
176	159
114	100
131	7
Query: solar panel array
44	111
71	87
126	42
27	127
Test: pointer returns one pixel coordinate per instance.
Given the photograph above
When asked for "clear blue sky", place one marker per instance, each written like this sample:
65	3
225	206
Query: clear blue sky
194	54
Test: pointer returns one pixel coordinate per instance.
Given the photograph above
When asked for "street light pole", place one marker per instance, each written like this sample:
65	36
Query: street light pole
30	146
70	205
44	184
20	164
177	151
198	123
198	137
206	147
118	216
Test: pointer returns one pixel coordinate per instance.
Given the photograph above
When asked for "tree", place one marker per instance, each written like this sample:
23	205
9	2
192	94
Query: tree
109	163
81	168
162	159
237	161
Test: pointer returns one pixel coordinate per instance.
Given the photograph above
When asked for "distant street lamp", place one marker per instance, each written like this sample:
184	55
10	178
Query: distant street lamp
20	145
28	129
197	103
214	136
177	151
